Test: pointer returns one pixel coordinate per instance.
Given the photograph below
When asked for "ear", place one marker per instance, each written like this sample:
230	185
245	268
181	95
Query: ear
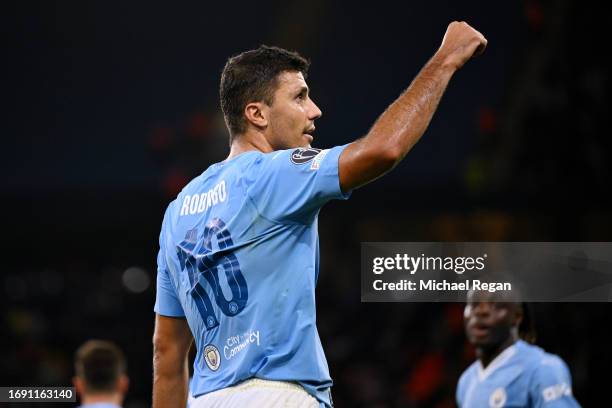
518	315
79	386
256	113
123	384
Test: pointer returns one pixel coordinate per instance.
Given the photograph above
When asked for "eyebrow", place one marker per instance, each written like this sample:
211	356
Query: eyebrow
303	89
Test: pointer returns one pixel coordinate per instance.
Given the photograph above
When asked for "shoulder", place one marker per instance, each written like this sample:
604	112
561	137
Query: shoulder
168	213
468	375
550	377
303	155
550	367
306	158
298	160
237	165
296	157
469	371
542	364
290	166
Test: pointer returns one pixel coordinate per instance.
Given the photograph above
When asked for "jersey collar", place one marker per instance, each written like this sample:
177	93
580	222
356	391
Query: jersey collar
497	362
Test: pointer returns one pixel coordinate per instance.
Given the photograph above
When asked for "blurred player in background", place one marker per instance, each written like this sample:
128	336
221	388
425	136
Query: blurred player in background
239	247
101	378
509	372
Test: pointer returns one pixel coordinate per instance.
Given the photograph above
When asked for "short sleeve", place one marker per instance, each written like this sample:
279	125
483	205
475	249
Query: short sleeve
166	301
551	385
292	185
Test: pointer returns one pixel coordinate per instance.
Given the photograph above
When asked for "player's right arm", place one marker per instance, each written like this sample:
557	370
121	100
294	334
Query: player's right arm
406	119
172	337
171	342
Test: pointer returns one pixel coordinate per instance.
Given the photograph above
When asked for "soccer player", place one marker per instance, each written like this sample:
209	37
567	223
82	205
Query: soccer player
509	371
101	380
239	252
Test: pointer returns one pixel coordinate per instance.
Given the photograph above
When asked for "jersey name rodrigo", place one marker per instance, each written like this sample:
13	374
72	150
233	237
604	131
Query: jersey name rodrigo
198	203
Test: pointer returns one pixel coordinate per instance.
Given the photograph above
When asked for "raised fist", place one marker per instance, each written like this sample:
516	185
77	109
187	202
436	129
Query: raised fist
461	42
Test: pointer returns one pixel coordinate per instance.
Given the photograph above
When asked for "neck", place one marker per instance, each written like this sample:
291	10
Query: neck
486	355
111	398
248	141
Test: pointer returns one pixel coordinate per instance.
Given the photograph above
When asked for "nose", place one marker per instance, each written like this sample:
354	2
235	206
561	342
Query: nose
482	308
314	112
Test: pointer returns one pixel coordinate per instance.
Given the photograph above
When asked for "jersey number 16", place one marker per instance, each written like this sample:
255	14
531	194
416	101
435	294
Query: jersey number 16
202	267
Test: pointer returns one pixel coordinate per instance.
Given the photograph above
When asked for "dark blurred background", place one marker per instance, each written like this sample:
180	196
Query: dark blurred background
111	107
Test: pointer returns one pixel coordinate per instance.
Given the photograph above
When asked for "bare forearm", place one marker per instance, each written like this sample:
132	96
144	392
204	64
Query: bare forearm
170	382
397	129
405	120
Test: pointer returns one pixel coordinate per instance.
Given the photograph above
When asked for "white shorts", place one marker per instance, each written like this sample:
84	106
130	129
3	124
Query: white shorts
257	393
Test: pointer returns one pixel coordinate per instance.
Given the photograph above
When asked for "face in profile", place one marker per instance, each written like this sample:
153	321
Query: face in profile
292	113
489	319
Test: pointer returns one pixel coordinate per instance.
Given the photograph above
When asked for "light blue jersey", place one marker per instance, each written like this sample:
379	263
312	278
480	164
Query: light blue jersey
239	258
521	376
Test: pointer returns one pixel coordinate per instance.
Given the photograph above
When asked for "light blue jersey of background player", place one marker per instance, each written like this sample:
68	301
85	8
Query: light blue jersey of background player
509	372
239	258
522	375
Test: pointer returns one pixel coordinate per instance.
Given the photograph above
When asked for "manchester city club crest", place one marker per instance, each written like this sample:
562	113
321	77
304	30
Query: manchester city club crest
497	398
212	357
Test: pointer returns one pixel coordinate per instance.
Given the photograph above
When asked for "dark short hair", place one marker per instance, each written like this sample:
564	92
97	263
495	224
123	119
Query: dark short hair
99	363
252	77
527	329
